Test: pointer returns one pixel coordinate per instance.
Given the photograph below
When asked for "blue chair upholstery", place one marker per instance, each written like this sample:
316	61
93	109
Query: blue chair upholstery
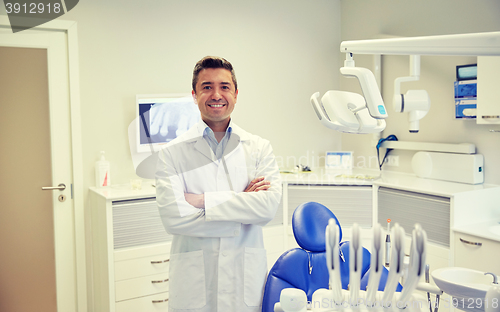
305	268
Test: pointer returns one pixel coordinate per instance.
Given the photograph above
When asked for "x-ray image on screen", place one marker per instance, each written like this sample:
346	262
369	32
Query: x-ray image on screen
163	119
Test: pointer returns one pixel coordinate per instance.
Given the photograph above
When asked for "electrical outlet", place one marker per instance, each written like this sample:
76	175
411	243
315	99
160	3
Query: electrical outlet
392	161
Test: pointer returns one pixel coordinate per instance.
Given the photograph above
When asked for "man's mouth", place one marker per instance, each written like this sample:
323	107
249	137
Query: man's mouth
216	105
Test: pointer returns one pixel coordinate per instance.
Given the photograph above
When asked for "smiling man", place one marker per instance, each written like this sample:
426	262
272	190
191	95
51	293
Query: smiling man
217	185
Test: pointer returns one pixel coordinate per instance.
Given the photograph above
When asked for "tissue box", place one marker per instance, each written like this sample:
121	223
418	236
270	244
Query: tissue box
465	88
465	108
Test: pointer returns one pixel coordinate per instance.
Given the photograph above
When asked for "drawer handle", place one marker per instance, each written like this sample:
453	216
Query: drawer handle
470	243
490	117
161	261
160	301
160	281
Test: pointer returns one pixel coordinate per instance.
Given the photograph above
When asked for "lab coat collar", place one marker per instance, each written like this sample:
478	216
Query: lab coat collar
242	134
195	135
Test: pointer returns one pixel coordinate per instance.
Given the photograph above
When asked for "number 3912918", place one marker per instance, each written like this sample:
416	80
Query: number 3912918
33	8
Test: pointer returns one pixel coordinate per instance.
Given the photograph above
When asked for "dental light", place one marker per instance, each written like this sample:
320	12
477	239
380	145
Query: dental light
352	113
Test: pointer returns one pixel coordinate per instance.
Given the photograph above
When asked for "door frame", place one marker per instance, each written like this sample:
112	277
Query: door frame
70	28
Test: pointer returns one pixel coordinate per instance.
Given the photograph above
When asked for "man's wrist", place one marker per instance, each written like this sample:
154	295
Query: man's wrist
201	201
196	200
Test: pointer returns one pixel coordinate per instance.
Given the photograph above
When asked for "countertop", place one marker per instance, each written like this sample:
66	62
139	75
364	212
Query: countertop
357	177
391	179
320	176
481	229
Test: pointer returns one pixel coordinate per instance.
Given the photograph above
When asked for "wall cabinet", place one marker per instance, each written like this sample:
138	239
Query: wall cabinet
488	93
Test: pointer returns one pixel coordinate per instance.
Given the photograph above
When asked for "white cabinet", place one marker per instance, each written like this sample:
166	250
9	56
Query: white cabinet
431	212
488	91
477	253
130	252
439	206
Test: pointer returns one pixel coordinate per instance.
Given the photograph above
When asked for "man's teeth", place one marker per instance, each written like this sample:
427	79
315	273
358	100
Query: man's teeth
216	105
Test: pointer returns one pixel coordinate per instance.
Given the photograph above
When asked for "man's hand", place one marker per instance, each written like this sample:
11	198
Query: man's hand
258	184
196	200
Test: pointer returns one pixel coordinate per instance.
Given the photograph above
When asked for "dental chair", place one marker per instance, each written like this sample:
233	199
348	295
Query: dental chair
305	268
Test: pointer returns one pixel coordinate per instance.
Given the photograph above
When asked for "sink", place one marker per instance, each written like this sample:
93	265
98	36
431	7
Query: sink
495	229
462	282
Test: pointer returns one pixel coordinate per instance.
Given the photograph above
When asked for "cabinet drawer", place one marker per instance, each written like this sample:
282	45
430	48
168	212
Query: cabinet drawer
482	258
136	223
158	302
142	286
133	268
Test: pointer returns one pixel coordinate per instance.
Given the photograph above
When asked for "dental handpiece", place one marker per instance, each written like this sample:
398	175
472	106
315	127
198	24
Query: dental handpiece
388	244
355	264
397	262
332	259
376	265
416	267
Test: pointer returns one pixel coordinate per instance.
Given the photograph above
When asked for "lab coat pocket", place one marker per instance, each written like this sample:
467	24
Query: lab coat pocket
187	280
255	266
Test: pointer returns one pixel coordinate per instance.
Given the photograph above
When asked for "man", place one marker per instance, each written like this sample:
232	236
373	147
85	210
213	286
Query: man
217	185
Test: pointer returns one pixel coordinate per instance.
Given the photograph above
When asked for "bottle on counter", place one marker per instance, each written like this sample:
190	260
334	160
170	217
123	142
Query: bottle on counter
102	173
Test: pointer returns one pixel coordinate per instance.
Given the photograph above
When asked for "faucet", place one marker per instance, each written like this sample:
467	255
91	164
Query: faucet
495	277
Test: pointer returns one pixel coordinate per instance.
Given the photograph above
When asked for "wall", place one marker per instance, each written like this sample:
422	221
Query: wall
368	19
282	51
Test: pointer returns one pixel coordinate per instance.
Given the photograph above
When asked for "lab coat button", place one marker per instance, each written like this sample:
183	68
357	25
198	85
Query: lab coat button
224	254
236	232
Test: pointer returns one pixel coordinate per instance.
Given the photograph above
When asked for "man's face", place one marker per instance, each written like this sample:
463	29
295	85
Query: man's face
215	95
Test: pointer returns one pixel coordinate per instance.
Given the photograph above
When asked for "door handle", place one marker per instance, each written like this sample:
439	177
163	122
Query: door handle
60	187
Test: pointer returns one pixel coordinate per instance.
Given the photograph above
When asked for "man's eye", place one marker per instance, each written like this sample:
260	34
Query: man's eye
206	87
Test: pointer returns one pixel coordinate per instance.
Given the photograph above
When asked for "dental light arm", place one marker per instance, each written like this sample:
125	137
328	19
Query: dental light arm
369	87
475	44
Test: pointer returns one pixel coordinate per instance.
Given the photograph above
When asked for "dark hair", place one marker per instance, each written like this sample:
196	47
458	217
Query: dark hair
212	62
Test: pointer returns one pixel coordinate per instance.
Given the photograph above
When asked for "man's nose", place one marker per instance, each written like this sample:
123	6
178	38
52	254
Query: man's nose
216	94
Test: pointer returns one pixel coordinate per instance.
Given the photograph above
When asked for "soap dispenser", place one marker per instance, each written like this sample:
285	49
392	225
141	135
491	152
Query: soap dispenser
102	175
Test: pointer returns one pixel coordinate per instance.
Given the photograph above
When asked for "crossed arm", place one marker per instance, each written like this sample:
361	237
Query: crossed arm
256	185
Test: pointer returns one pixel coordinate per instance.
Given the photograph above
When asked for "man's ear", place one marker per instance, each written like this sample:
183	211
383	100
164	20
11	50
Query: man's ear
236	95
194	97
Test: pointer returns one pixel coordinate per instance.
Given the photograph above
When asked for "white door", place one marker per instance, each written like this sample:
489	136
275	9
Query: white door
37	230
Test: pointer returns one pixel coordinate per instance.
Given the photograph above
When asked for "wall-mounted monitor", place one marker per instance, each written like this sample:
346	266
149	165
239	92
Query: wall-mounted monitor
163	117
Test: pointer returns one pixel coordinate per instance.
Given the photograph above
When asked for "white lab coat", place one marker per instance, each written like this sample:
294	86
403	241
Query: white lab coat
217	260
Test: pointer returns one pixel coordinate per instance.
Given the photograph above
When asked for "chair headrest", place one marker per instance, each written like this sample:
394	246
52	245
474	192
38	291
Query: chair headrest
309	223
